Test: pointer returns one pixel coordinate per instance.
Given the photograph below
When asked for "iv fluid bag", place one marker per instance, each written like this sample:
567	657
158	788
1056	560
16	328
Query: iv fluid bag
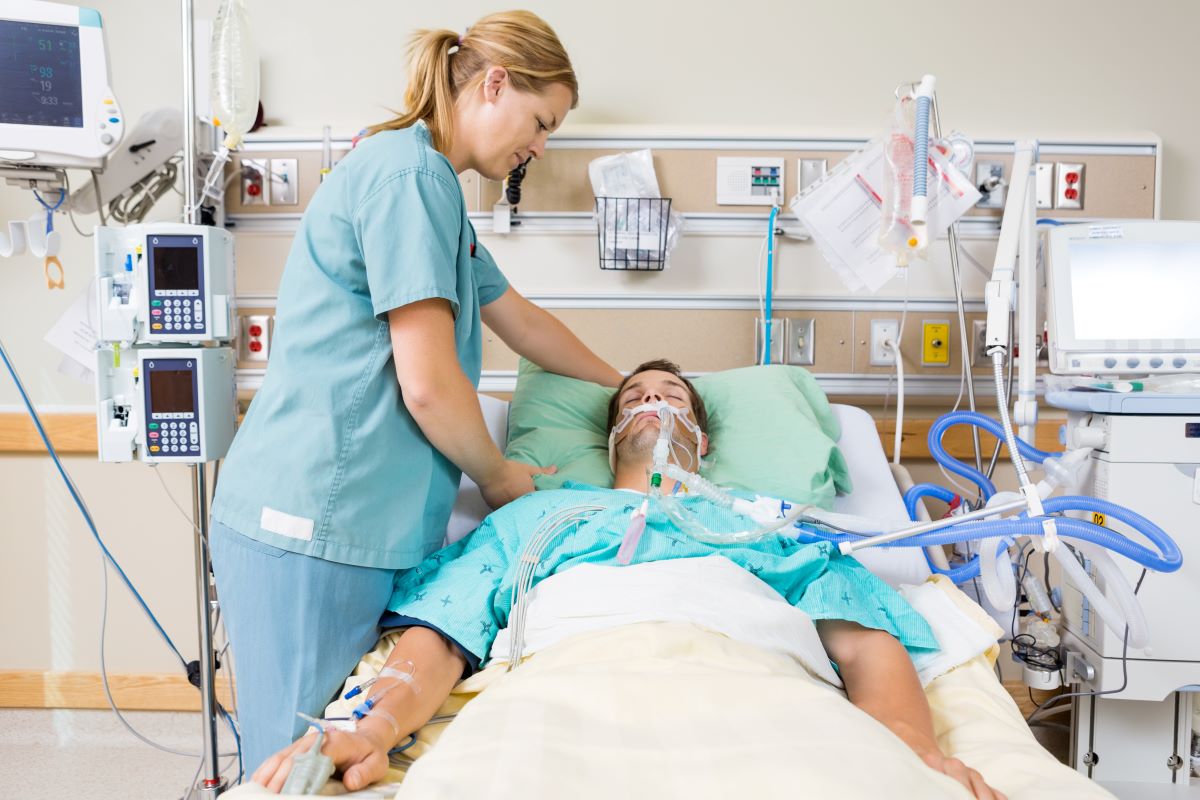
234	69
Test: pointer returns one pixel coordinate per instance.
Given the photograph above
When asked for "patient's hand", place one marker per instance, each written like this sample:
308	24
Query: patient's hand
960	772
360	758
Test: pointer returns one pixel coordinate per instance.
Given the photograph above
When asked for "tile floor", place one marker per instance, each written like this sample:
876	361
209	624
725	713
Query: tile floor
88	754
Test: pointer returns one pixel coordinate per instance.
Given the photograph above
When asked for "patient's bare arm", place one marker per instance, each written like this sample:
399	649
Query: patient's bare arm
881	680
361	757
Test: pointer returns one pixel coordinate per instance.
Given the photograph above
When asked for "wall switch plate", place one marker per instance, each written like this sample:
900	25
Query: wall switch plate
256	191
284	182
883	330
779	337
1043	177
985	172
800	342
1068	185
811	170
935	343
749	181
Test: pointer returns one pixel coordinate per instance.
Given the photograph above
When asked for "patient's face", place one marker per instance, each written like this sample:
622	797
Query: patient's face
636	442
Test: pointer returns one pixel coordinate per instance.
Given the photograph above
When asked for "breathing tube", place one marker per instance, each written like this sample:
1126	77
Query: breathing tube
769	513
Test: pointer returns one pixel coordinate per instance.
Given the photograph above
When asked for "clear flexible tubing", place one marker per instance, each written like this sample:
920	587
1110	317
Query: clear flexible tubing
672	508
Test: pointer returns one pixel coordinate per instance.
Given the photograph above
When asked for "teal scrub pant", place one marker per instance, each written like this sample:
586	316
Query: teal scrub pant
297	627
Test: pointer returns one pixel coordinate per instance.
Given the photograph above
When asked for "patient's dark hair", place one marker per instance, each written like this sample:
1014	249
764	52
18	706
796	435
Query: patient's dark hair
661	365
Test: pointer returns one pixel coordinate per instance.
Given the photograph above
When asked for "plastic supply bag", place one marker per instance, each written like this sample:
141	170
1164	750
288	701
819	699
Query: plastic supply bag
233	65
896	234
626	178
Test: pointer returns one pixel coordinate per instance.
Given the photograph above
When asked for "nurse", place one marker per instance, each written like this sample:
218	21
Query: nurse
347	464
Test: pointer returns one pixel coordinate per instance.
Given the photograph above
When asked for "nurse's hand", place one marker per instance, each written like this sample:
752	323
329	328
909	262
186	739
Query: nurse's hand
359	757
514	479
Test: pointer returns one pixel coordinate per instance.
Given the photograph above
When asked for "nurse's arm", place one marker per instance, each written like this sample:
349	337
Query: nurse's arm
443	402
362	756
881	680
537	335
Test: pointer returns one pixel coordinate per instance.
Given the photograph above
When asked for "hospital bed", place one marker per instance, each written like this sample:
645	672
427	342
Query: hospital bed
671	710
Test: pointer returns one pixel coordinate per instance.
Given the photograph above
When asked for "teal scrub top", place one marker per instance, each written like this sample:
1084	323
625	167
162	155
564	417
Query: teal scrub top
328	462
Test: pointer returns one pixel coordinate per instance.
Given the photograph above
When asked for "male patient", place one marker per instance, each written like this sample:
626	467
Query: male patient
459	598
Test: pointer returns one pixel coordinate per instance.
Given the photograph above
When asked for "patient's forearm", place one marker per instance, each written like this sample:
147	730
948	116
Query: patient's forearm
438	667
881	680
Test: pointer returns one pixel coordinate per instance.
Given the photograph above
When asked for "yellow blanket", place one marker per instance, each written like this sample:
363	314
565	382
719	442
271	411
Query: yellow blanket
666	710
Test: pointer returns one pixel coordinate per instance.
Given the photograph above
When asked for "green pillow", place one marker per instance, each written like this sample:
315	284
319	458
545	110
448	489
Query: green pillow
771	431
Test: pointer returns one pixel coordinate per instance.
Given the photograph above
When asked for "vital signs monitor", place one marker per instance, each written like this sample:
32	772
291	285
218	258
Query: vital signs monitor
57	108
1122	298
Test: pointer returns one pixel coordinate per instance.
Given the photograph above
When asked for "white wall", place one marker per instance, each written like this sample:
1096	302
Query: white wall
1004	69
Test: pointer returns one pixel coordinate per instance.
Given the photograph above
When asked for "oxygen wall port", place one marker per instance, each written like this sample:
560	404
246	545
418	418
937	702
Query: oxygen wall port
884	330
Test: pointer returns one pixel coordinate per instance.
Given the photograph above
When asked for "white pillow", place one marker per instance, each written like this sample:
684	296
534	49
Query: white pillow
469	508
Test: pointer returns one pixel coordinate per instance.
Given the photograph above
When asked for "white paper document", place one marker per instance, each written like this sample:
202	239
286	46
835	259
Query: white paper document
75	332
843	214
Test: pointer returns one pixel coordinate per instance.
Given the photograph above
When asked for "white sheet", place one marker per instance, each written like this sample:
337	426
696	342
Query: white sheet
711	592
717	595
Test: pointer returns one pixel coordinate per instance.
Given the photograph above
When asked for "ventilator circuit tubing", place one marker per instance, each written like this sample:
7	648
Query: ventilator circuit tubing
939	454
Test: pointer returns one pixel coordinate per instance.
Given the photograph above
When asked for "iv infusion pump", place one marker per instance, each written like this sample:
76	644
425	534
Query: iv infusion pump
165	404
164	283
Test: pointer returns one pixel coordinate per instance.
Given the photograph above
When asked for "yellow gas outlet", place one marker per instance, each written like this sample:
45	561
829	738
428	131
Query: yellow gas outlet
935	344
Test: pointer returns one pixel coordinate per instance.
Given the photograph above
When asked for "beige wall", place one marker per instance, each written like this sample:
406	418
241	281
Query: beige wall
1084	68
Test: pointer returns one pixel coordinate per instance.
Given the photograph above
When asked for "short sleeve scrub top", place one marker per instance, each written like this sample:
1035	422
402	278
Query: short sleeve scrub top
328	462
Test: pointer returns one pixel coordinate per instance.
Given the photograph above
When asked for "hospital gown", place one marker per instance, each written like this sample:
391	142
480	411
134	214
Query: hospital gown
464	591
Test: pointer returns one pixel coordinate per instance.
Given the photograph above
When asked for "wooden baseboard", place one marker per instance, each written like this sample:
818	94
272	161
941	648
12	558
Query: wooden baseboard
145	692
75	434
1021	695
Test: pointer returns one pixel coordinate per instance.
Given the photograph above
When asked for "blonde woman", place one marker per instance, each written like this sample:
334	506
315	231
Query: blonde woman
347	464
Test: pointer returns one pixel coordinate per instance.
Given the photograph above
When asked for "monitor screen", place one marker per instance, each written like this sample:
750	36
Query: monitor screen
171	391
1135	291
176	268
40	79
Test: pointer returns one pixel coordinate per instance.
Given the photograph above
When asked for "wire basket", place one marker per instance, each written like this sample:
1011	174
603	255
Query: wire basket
633	232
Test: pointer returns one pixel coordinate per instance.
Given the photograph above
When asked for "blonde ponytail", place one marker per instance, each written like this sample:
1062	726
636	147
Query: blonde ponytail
443	64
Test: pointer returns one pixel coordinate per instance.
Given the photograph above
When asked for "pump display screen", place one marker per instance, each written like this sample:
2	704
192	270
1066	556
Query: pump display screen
1132	291
171	392
40	78
176	269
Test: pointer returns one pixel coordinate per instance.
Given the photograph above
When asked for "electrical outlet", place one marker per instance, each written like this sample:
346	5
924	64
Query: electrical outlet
284	182
256	337
990	174
978	341
883	330
779	337
935	343
800	341
256	190
1068	185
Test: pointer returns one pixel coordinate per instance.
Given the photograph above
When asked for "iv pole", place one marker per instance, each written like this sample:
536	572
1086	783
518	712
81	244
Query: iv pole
210	773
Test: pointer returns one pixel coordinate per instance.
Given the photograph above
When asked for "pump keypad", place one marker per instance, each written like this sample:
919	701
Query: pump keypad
175	438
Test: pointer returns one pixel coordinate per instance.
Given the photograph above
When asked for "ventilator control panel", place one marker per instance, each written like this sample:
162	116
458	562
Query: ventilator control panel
176	279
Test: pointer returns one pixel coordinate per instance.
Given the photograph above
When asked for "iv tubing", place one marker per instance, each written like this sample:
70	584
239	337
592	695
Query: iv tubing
769	289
